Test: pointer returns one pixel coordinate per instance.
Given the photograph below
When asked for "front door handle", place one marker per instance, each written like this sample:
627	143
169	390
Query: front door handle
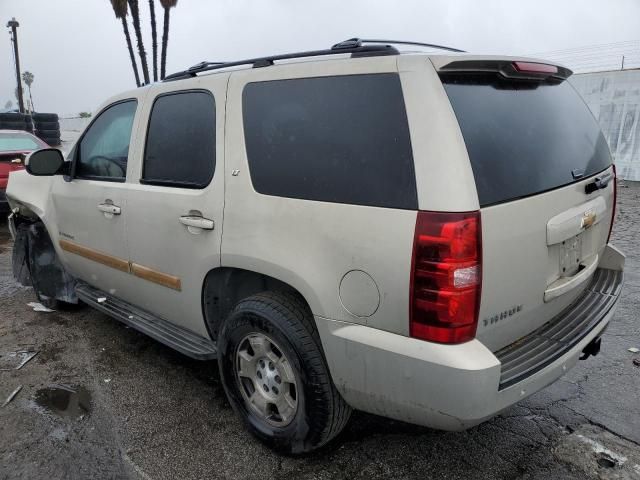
197	222
109	208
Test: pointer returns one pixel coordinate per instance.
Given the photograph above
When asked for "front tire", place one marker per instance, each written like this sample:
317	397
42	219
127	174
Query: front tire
275	375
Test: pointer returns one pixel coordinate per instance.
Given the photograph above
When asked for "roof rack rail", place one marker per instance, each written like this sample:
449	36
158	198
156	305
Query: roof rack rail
356	49
405	42
354	46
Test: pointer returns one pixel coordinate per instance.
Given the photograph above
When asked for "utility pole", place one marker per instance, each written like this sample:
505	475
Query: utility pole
13	25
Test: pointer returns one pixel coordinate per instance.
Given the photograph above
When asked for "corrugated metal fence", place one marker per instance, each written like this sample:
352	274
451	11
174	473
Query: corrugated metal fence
614	99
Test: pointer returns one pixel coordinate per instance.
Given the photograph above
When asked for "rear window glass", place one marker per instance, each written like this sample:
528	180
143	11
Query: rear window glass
336	139
11	142
525	138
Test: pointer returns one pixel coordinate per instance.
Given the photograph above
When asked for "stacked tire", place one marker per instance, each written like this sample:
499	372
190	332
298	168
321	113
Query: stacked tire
15	121
47	127
28	121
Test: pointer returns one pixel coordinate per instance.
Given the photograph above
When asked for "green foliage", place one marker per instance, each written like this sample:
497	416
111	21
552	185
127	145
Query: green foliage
119	8
27	77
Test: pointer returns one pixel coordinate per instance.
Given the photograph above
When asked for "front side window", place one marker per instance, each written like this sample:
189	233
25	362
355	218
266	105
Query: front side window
342	139
181	141
104	148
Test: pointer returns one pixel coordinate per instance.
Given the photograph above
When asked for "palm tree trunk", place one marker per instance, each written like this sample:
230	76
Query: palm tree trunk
134	65
31	98
135	15
165	39
154	39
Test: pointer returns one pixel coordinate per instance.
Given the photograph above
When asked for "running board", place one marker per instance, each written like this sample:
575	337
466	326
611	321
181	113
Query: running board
178	338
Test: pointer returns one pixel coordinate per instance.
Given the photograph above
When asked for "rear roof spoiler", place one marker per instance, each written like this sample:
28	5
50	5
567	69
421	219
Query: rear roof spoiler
508	67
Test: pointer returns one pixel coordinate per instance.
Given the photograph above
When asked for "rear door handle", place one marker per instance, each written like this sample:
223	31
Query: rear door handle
197	222
109	208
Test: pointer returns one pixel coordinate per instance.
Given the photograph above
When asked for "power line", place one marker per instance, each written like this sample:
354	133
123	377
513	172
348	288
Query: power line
591	58
591	47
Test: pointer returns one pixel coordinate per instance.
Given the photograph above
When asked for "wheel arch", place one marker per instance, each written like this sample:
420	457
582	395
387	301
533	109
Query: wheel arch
224	287
35	261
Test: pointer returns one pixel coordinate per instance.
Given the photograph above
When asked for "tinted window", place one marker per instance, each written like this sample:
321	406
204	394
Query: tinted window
336	139
181	141
104	148
525	138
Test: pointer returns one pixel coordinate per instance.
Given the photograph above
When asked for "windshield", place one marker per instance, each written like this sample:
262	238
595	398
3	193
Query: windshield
17	142
525	138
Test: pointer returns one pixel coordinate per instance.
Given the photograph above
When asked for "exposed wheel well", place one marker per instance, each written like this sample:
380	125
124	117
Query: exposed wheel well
224	287
36	263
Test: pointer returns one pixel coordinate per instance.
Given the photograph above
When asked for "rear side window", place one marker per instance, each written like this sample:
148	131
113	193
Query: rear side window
181	141
525	138
335	139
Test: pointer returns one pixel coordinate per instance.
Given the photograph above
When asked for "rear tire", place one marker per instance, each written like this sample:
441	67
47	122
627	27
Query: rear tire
48	126
12	117
6	125
45	117
281	322
48	133
51	141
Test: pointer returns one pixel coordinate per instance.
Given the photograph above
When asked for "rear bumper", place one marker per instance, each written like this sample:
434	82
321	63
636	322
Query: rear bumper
540	348
454	387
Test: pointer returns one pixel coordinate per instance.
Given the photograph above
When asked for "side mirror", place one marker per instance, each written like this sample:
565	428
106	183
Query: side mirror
45	162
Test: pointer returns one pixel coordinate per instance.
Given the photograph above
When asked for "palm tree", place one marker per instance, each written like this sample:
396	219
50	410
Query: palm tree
167	5
135	15
121	11
154	38
27	77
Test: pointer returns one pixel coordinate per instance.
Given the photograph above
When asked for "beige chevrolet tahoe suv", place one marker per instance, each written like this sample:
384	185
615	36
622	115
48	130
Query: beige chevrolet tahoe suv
423	237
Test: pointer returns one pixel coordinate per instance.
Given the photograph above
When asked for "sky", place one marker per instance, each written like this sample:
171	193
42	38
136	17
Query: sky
77	52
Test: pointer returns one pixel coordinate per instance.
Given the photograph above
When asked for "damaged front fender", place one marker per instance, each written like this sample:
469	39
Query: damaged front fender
35	263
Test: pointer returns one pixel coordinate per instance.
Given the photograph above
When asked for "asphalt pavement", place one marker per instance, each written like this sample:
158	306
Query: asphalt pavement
100	400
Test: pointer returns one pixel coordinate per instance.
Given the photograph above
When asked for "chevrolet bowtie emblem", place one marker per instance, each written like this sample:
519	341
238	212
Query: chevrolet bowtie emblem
588	219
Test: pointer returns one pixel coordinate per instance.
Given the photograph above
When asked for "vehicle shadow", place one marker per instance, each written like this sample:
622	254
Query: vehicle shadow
171	400
5	236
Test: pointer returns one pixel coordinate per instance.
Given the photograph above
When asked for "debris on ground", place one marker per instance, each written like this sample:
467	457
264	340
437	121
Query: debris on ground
24	356
636	362
634	350
102	299
38	307
597	453
11	396
28	358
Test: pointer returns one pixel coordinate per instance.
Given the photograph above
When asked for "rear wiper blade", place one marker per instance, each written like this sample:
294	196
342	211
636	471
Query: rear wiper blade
601	181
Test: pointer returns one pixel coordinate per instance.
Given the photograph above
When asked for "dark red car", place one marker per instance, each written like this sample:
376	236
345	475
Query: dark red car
15	145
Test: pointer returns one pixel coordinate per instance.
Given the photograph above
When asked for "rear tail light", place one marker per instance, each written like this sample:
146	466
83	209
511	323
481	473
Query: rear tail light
615	199
446	277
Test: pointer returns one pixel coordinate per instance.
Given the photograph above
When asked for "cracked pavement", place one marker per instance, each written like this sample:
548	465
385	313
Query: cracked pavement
155	414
